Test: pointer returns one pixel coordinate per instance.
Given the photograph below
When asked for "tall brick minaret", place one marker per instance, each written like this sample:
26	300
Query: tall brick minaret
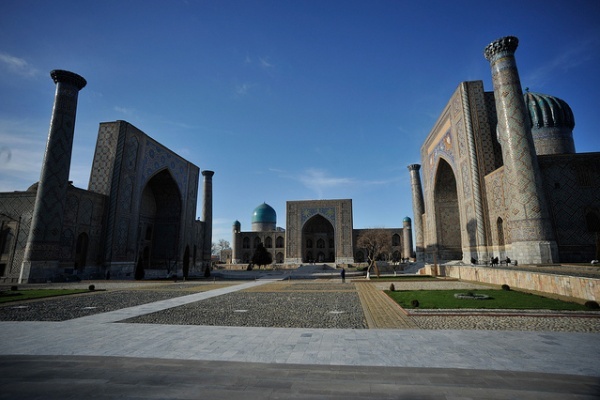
207	216
418	210
42	252
531	236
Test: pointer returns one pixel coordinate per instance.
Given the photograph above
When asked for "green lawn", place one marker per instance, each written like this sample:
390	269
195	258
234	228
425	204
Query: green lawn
401	277
18	295
499	299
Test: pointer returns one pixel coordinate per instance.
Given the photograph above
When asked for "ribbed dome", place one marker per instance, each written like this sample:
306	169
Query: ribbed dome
264	214
548	111
552	124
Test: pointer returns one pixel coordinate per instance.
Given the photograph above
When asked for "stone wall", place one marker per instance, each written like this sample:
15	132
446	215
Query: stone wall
563	285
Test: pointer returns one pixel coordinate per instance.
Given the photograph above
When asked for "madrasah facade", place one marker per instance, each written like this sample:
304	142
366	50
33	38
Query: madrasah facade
499	177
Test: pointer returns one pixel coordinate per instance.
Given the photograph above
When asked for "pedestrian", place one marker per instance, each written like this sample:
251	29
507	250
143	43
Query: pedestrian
343	274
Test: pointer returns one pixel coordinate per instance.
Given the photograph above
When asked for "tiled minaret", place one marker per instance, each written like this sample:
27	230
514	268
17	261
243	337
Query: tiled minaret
407	242
42	253
418	209
207	215
531	236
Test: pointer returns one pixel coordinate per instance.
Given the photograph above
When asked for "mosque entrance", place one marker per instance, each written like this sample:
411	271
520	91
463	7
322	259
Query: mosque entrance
447	213
318	240
160	219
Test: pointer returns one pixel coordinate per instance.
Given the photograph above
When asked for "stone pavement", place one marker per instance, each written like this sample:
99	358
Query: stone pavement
99	357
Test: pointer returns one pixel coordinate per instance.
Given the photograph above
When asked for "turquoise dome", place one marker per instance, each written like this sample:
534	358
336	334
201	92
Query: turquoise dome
264	214
406	219
548	111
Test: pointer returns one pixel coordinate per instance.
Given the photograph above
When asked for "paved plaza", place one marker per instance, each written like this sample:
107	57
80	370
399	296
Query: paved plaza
145	351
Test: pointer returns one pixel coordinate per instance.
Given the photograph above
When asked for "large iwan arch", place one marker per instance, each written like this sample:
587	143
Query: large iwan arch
447	213
160	220
318	240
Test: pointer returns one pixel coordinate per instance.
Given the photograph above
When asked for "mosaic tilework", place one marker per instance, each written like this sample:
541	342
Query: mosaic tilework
50	202
528	217
338	212
570	198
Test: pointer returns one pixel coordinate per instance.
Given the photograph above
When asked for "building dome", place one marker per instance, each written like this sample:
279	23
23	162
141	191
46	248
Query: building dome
552	124
264	218
406	219
264	213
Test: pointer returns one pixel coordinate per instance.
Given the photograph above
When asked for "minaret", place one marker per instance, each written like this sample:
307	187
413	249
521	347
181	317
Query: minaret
531	236
207	215
235	243
407	243
418	210
42	252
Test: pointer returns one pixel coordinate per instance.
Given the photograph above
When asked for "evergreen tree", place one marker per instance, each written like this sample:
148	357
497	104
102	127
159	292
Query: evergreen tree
261	256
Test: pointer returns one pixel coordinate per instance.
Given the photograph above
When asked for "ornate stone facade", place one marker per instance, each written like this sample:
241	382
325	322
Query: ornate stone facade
317	231
137	218
487	193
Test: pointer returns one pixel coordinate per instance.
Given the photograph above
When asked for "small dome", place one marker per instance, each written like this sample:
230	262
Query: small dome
548	111
236	223
406	219
264	214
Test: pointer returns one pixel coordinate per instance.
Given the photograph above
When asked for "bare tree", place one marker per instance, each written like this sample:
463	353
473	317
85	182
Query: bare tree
377	243
216	248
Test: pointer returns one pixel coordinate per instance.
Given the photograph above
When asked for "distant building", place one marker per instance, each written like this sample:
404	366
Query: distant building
500	176
137	217
317	231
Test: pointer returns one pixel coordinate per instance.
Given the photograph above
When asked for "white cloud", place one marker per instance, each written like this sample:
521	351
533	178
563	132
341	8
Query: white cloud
21	154
123	110
264	62
566	60
17	65
244	88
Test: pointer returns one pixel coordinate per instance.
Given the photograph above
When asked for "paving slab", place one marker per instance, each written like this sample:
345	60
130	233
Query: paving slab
99	357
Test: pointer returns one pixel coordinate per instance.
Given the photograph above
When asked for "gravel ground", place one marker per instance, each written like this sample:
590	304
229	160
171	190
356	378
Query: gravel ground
276	309
511	323
74	306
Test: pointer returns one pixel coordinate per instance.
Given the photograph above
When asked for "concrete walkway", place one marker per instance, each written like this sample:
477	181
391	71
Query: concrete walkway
96	354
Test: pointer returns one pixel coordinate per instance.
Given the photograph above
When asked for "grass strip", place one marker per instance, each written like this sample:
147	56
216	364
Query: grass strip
29	294
499	299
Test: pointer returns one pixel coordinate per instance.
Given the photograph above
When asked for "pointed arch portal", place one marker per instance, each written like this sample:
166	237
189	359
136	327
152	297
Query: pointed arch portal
447	213
160	221
318	230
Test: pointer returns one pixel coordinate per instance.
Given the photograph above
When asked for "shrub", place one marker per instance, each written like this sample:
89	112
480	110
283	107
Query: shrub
92	287
392	287
505	287
14	288
591	304
415	303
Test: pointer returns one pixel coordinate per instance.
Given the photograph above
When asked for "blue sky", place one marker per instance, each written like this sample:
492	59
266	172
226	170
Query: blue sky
284	100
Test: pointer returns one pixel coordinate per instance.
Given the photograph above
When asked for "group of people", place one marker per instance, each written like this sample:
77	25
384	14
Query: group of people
494	261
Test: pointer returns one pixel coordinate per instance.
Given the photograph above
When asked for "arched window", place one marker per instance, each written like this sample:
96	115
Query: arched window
320	244
268	242
592	222
500	227
396	240
309	244
246	242
360	257
279	242
256	242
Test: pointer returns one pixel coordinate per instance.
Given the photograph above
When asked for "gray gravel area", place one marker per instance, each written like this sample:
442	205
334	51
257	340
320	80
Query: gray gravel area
340	310
74	306
509	323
